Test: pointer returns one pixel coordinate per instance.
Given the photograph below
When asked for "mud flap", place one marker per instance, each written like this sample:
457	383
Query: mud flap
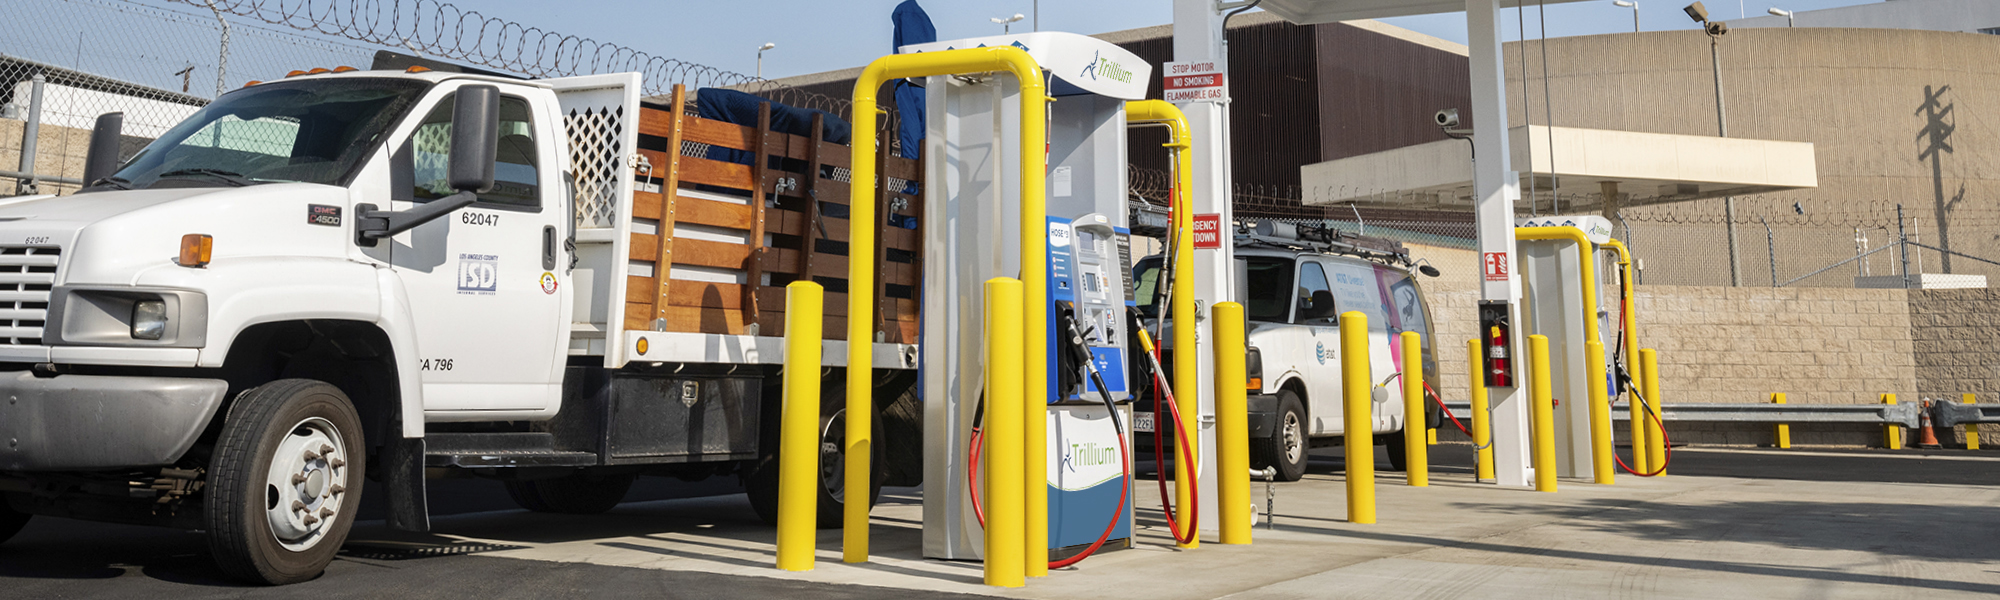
403	476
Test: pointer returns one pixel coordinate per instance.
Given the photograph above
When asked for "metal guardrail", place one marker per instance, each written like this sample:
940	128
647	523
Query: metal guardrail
1907	415
1945	413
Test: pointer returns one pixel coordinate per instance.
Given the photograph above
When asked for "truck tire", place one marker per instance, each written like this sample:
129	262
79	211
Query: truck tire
580	493
1286	448
284	443
1398	459
762	480
11	522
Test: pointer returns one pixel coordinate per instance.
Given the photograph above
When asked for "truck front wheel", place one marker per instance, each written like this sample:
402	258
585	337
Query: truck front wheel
285	482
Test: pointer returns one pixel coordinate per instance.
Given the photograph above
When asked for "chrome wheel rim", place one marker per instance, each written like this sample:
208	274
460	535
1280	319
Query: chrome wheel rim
306	485
832	463
1294	438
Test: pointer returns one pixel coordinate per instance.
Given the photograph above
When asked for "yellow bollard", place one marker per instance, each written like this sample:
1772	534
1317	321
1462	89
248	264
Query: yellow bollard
1005	482
1656	442
1601	444
1232	423
1416	452
1431	437
798	438
1892	434
1784	430
1358	426
1971	429
1542	405
1482	430
1641	426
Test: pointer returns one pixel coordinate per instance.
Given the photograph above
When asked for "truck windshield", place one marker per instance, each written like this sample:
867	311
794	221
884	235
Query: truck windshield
311	131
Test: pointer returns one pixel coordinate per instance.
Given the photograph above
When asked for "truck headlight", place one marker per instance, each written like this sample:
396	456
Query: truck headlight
149	319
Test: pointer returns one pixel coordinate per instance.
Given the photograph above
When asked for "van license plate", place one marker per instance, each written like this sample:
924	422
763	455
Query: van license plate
1142	422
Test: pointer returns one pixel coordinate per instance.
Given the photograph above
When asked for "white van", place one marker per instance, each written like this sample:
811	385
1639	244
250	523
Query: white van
1294	282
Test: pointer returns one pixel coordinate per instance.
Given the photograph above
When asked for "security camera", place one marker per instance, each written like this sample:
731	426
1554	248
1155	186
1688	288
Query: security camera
1447	118
1697	12
1717	28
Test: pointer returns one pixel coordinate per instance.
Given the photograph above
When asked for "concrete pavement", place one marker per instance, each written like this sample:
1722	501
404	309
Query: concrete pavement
1725	524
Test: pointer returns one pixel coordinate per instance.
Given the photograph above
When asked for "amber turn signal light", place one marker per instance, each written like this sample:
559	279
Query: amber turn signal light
196	249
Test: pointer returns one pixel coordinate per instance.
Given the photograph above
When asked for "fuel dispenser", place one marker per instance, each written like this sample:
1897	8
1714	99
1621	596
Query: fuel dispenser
973	195
1572	288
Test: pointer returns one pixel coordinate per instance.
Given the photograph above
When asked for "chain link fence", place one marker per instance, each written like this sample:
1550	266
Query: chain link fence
1792	242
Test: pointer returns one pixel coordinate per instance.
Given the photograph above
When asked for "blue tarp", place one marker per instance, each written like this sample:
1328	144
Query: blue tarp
913	26
730	106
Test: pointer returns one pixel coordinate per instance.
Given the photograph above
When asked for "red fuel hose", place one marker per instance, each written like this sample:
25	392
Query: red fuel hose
1172	406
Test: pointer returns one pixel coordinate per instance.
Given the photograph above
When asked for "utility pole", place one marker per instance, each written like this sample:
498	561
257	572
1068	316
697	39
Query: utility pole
1715	31
187	76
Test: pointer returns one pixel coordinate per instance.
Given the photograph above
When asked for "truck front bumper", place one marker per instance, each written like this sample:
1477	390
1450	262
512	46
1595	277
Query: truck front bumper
96	422
1263	415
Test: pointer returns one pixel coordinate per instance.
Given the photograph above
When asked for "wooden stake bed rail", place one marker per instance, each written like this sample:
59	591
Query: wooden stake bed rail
715	242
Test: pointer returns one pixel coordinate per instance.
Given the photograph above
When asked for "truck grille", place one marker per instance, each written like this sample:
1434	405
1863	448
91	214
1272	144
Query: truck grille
26	274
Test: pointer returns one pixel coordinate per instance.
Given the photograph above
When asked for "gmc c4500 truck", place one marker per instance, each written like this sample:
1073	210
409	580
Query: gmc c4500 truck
343	280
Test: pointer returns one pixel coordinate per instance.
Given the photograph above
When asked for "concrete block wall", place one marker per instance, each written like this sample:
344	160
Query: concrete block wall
1957	338
1817	345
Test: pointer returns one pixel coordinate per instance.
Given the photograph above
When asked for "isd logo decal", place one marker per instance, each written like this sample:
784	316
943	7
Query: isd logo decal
478	274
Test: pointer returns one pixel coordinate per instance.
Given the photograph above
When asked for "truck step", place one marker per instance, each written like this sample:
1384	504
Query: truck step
525	449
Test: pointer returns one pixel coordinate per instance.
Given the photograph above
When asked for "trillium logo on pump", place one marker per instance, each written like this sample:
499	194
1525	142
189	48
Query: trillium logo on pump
1106	67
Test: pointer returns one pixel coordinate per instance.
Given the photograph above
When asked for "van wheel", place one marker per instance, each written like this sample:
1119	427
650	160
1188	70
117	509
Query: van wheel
1399	459
830	464
285	482
1287	446
11	522
579	493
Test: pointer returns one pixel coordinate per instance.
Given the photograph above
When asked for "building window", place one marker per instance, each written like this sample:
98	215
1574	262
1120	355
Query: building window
1991	31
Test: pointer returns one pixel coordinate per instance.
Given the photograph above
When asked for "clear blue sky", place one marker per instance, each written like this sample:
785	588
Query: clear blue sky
812	37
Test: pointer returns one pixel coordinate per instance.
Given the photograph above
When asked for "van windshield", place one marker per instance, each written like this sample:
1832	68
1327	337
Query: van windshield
1267	289
311	131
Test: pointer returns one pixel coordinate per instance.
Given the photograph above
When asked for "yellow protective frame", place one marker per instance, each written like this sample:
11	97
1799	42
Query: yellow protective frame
1034	279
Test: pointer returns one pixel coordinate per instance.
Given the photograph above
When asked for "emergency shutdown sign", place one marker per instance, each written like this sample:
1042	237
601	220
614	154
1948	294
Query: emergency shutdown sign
1208	232
1197	81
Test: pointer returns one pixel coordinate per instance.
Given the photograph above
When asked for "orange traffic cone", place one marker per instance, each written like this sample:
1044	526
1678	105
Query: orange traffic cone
1928	439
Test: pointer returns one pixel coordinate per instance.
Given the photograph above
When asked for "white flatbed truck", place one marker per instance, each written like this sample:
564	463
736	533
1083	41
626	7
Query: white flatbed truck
352	278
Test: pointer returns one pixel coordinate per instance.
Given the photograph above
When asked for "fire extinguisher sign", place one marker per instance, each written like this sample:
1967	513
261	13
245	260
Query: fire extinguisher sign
1496	266
1208	232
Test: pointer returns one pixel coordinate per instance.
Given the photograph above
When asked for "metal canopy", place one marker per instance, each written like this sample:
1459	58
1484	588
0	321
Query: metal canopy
1649	168
1307	12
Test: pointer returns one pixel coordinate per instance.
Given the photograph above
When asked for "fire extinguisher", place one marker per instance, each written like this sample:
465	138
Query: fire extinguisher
1493	325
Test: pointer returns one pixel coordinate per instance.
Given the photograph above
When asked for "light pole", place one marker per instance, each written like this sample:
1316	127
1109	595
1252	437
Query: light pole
1634	5
760	58
1006	25
1715	31
1779	12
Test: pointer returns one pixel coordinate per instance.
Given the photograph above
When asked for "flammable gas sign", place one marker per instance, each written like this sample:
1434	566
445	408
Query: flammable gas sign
1194	81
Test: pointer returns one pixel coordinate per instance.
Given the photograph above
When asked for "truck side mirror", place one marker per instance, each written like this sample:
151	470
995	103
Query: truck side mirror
102	161
475	137
475	144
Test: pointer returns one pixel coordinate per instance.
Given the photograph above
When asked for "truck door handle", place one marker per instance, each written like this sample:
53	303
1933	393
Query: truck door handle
548	247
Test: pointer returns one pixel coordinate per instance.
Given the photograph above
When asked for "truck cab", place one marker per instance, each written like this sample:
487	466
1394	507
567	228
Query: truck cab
1294	282
347	278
